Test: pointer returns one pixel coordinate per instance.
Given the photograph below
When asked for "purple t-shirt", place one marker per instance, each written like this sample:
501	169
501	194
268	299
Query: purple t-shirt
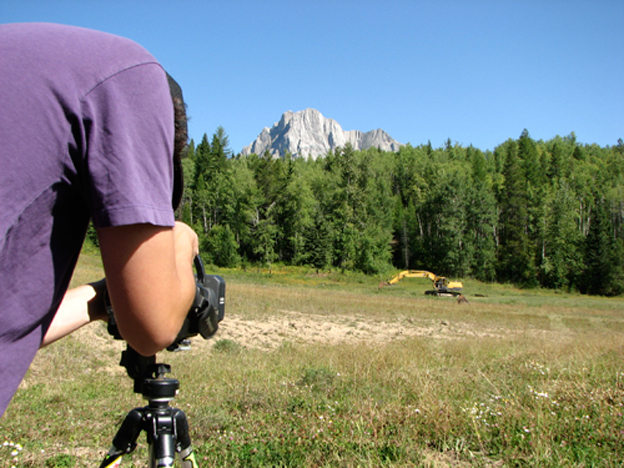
86	132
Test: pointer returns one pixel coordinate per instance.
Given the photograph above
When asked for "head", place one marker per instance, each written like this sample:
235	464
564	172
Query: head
180	139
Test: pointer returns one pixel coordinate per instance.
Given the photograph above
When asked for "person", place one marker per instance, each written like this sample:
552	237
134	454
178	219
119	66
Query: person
91	128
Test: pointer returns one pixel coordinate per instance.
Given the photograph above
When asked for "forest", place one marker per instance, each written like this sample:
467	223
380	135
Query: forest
531	213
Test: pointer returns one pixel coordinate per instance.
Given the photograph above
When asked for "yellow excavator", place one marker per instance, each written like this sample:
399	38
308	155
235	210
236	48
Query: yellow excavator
441	285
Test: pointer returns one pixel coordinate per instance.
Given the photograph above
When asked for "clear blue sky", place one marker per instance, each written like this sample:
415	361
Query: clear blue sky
477	72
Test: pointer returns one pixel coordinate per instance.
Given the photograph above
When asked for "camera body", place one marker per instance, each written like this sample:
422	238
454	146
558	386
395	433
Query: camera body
208	307
207	310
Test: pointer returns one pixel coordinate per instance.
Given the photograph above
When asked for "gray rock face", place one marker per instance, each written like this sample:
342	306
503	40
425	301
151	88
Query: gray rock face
308	133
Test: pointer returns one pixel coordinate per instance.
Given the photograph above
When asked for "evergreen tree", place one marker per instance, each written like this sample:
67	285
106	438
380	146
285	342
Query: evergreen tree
220	148
603	274
558	164
345	215
408	188
294	215
246	201
270	181
375	182
209	202
185	210
446	215
515	259
264	235
401	236
563	262
318	244
535	186
201	189
221	247
481	220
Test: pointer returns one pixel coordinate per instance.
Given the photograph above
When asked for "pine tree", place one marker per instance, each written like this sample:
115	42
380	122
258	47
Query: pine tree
245	203
563	251
535	186
480	220
401	236
515	259
603	273
318	244
408	188
222	247
294	205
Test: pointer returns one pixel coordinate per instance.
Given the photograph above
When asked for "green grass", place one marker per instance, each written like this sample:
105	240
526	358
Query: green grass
515	378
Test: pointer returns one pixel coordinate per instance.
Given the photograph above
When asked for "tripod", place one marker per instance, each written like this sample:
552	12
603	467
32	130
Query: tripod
166	427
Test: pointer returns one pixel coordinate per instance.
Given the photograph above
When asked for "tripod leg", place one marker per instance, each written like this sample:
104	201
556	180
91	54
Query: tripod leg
185	451
161	438
112	461
167	435
188	460
161	454
125	439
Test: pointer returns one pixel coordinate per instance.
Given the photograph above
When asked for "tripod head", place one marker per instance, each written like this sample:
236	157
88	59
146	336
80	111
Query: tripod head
148	376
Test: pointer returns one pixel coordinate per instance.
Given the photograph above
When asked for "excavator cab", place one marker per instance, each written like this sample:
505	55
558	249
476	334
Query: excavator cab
443	287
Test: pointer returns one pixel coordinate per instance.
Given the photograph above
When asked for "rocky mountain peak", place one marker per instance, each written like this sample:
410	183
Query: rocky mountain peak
308	133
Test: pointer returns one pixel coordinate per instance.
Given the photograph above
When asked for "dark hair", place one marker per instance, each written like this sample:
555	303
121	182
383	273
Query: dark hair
180	140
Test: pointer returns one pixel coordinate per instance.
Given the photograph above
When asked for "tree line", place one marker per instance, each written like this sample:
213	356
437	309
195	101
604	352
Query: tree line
531	213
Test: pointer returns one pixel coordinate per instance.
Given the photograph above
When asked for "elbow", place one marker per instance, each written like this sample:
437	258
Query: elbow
152	328
151	342
150	347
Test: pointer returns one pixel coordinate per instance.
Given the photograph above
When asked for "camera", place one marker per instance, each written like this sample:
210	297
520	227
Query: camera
207	310
208	307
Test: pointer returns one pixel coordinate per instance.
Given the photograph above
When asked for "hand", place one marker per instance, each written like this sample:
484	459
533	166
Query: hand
96	306
185	240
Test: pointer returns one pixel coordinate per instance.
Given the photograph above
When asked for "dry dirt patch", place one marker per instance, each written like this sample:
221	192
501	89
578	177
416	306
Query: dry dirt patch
294	327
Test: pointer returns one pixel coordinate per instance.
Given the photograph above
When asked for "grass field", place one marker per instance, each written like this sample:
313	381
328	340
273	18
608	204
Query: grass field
327	370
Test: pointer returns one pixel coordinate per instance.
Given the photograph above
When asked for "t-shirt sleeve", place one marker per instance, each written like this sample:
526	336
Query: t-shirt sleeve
129	131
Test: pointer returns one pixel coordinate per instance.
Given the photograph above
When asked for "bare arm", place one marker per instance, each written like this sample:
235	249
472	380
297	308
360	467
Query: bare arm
149	274
80	306
150	281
